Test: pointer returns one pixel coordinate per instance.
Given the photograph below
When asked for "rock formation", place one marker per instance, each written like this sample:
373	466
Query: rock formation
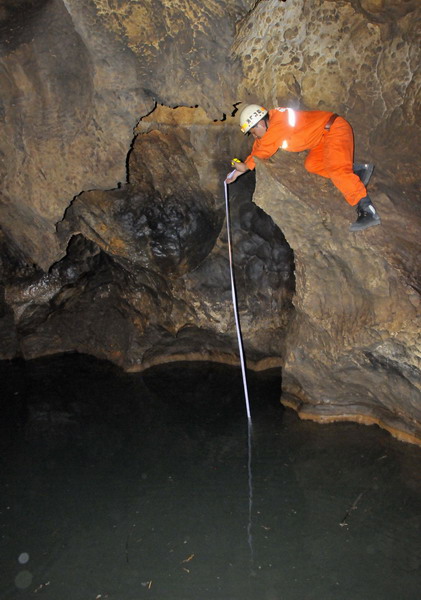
352	346
118	125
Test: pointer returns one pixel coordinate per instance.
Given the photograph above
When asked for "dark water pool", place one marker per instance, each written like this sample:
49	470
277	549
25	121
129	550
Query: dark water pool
126	486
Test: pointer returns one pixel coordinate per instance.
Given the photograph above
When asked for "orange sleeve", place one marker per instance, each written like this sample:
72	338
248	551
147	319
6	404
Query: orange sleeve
249	161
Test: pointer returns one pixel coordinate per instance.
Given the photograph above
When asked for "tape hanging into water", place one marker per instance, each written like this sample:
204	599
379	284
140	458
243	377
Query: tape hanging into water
234	302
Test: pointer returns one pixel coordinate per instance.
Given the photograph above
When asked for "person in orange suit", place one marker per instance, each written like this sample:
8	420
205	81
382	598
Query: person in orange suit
330	142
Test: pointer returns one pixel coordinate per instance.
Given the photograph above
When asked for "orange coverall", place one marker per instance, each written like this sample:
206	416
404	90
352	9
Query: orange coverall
331	151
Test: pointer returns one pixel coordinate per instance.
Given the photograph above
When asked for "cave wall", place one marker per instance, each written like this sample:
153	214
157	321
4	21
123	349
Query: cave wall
117	126
76	77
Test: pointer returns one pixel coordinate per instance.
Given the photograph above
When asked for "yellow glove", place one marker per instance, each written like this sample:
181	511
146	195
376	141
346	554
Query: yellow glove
235	160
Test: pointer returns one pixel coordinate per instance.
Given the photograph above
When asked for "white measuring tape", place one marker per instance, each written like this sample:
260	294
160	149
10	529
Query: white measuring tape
234	302
243	370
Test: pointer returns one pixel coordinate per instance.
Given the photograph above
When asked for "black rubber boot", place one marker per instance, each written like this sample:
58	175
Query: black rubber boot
367	215
364	171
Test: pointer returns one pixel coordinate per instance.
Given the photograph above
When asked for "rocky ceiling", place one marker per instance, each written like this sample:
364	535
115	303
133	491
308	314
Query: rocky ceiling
117	127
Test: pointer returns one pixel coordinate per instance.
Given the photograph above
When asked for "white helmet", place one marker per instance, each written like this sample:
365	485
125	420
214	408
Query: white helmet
250	115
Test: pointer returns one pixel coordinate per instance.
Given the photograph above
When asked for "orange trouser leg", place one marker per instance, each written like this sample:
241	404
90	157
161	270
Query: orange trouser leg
333	157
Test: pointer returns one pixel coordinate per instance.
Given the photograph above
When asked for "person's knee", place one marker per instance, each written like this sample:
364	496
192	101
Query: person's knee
310	165
341	171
